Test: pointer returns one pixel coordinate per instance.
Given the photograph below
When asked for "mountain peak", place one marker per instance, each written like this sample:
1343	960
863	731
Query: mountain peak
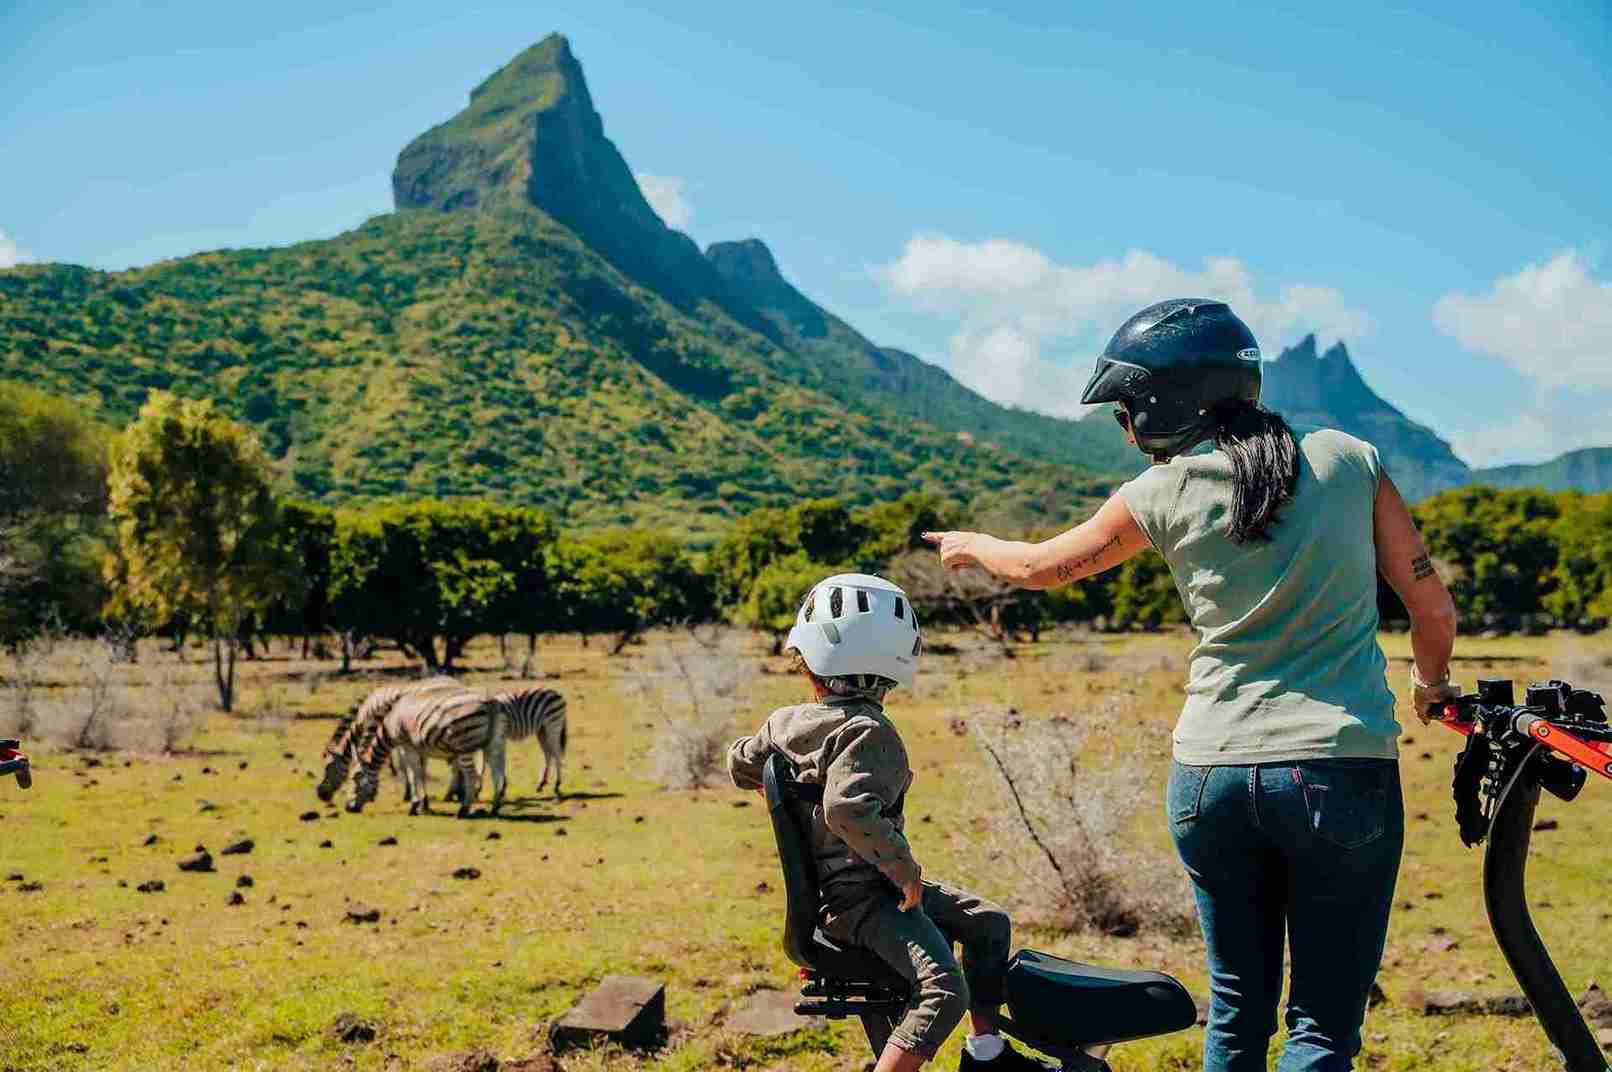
1303	351
1337	352
530	137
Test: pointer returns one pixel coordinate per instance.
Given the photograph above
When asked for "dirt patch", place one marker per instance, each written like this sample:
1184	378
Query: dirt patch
471	1061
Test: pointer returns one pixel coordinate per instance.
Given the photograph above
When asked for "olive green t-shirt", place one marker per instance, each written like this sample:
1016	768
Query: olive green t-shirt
1287	664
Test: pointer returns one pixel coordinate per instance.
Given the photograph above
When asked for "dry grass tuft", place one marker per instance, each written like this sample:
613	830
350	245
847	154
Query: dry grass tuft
87	695
1066	821
695	688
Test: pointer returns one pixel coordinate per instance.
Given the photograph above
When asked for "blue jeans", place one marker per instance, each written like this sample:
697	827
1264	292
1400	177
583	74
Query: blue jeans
1309	847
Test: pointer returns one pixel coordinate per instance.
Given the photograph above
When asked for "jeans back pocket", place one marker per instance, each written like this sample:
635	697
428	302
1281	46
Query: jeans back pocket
1184	797
1346	803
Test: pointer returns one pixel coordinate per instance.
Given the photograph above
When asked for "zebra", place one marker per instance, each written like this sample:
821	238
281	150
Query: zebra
538	713
341	749
453	725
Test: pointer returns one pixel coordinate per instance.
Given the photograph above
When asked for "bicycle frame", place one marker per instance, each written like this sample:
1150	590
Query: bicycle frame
1525	749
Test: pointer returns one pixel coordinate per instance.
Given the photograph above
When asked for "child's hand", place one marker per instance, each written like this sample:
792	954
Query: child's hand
912	895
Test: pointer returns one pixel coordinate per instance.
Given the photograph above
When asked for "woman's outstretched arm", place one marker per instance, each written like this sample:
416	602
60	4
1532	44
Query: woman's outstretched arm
1102	542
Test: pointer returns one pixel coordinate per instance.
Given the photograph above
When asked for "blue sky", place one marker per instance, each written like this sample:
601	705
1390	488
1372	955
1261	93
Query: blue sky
991	189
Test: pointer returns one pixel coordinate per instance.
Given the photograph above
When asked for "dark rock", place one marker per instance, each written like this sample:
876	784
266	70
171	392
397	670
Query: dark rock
309	816
350	1028
327	844
198	861
623	1009
237	848
762	887
15	876
244	882
494	835
357	913
236	897
560	832
207	770
467	873
1547	824
156	885
151	839
741	803
1507	1005
387	841
30	887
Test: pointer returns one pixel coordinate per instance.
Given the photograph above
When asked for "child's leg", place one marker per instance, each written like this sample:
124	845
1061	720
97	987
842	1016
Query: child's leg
916	949
986	935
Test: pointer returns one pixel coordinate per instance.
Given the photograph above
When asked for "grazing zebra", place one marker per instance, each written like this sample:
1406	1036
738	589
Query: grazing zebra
341	749
452	725
538	713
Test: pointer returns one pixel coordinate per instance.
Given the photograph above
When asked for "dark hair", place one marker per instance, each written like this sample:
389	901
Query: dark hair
1264	466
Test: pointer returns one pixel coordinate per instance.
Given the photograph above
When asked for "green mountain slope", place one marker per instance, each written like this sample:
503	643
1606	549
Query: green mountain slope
1588	470
479	354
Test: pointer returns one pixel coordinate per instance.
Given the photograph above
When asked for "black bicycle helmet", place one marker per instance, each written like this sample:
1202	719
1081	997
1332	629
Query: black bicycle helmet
1170	365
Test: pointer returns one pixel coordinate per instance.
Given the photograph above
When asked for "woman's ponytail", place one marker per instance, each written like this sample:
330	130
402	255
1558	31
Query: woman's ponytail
1264	466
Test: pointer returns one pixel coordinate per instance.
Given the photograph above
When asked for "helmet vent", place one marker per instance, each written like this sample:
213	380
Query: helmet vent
831	631
811	606
901	607
917	646
861	601
836	602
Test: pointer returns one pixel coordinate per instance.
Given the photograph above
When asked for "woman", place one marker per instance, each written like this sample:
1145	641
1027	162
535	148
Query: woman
1284	796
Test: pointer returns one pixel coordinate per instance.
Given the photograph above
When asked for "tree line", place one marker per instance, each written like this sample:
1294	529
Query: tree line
173	526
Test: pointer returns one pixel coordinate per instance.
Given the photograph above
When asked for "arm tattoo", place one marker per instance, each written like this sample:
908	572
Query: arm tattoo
1422	567
1068	571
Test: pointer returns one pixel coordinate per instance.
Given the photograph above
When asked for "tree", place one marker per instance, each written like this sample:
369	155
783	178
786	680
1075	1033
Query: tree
306	536
197	523
1497	549
426	571
775	596
1581	582
624	582
53	464
1144	594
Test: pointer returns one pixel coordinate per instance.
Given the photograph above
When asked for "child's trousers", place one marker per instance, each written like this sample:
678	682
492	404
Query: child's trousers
918	945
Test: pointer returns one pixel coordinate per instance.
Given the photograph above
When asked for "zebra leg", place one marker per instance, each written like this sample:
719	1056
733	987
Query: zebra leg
494	755
552	737
414	773
466	764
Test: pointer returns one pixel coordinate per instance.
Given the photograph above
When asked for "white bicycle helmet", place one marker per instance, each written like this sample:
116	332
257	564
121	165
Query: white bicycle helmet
852	623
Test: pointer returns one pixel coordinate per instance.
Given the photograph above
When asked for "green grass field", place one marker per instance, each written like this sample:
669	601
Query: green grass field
624	877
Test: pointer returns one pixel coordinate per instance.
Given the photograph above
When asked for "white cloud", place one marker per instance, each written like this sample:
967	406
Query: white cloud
1552	322
667	196
1551	424
11	254
1015	304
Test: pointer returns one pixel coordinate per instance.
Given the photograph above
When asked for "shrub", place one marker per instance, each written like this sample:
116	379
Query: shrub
696	689
1067	822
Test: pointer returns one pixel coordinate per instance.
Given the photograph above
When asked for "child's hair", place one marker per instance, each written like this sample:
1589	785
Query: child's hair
866	686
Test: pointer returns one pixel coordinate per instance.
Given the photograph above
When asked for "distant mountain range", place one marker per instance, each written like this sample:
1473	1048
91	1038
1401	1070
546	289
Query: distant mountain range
524	327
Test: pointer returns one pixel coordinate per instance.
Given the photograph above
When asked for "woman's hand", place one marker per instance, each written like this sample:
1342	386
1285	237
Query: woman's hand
957	549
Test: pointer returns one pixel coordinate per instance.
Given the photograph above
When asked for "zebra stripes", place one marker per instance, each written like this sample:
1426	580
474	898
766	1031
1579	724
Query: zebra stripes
341	749
452	725
538	713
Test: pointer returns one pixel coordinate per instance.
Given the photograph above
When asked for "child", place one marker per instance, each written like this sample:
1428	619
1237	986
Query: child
855	638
